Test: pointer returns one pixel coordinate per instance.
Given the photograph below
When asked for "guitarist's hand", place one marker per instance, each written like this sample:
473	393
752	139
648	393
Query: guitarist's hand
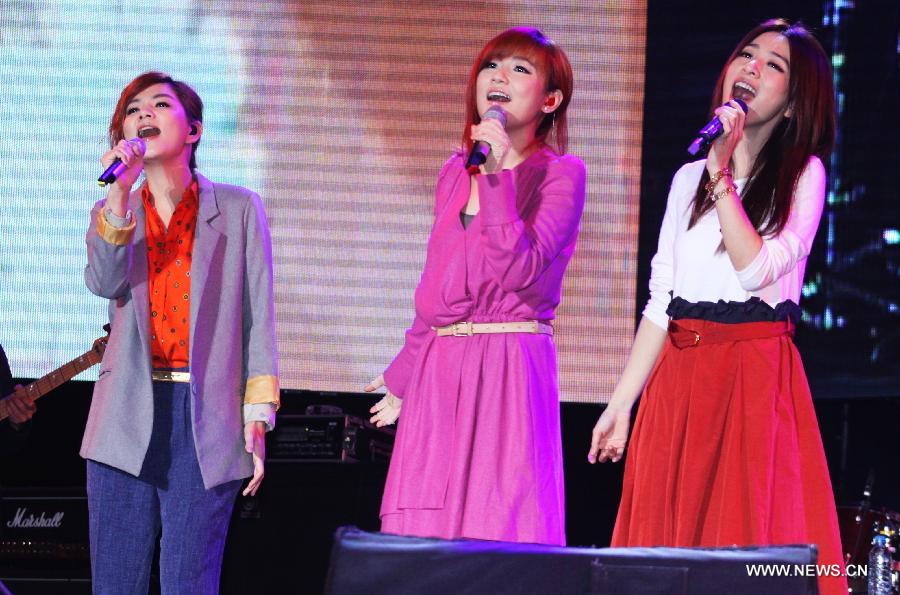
21	407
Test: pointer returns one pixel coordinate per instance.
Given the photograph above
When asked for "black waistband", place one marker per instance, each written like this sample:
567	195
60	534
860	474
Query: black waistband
753	310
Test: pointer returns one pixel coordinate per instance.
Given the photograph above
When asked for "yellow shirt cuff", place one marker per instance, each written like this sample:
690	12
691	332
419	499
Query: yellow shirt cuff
262	389
117	236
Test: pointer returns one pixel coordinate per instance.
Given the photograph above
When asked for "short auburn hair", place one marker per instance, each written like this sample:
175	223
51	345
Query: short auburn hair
189	99
551	62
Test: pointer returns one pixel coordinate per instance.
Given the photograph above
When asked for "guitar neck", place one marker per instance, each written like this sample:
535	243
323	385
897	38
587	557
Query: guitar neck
45	384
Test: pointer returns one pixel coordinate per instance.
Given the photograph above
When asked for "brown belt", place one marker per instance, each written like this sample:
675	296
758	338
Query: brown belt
467	329
166	376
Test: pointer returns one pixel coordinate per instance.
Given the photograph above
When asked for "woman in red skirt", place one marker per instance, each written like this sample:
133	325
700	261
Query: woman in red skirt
726	449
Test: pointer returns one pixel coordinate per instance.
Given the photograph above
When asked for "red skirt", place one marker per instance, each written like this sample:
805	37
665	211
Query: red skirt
726	449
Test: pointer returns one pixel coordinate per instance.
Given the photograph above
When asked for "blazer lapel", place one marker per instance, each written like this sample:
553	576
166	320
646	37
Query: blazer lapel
140	281
206	239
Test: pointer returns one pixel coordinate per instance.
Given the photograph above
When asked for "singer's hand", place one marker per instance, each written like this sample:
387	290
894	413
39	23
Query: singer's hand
255	443
387	410
132	155
610	435
732	117
492	132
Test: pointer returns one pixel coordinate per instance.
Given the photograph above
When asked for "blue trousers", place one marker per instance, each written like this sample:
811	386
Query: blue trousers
127	513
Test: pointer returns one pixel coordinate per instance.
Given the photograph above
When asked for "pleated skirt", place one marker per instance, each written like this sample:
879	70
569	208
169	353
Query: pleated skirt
726	448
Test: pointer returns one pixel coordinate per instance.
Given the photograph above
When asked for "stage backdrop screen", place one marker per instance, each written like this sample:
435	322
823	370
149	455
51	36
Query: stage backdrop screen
340	114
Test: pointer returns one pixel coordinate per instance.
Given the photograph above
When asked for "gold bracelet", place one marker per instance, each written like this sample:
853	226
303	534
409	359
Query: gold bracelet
722	193
714	180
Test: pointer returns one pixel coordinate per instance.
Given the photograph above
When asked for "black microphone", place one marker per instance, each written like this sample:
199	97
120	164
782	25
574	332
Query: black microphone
117	168
481	149
709	133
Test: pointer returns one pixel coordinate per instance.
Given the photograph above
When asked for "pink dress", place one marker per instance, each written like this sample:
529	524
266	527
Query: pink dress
478	451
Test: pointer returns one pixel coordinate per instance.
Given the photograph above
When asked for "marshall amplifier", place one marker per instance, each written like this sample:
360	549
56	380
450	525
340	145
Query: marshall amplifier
44	539
326	434
43	524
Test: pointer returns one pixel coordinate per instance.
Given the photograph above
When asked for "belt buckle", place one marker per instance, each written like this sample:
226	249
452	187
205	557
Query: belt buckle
467	332
170	376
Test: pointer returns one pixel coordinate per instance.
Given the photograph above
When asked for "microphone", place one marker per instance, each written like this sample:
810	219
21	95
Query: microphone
117	168
709	133
481	149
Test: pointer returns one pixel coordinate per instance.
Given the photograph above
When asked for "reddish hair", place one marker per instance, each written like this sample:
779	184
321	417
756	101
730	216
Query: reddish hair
551	62
809	130
190	101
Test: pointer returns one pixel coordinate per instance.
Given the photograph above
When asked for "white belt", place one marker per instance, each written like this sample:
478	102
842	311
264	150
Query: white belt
467	329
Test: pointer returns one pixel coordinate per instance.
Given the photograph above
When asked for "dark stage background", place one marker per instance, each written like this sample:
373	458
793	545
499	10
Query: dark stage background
849	338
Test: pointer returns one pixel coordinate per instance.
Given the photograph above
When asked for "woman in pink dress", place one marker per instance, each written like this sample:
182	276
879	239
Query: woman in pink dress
478	453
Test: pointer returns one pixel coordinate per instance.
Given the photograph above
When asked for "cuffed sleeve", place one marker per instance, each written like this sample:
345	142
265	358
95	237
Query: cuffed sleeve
110	252
259	309
264	412
779	254
519	249
115	230
116	221
262	389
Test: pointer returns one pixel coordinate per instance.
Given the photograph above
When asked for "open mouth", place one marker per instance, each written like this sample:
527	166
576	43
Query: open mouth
743	91
499	96
148	132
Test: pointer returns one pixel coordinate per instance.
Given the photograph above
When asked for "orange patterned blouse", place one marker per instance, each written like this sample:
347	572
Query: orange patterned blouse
169	261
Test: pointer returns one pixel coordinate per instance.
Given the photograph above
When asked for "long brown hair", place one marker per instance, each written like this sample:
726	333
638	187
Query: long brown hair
190	101
551	62
809	130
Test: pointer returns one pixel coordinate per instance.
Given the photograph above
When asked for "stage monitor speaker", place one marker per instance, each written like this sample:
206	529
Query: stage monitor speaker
372	563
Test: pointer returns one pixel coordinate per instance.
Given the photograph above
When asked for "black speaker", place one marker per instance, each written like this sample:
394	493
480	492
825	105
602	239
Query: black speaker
44	541
371	563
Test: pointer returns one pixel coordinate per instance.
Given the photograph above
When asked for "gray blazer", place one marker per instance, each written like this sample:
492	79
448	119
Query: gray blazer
232	332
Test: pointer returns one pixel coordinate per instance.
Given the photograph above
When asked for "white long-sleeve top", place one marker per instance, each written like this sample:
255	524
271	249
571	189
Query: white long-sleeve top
689	265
